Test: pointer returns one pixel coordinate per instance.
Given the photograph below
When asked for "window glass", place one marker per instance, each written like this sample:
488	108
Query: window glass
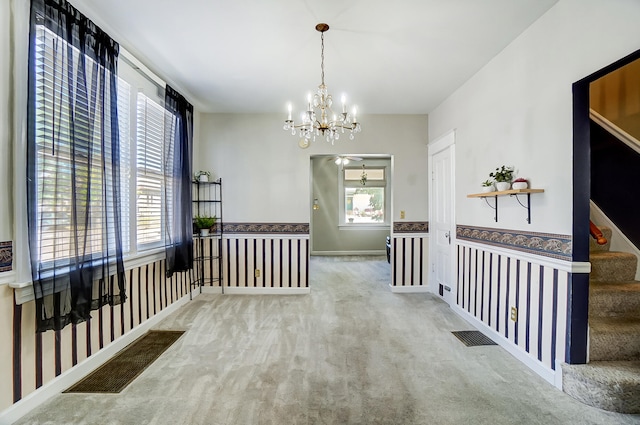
364	205
356	174
364	194
150	191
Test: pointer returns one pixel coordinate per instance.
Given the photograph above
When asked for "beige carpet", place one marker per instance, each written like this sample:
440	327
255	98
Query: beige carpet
611	379
352	352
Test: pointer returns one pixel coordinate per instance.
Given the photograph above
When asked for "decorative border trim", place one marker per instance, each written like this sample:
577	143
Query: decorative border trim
546	244
411	227
6	256
268	228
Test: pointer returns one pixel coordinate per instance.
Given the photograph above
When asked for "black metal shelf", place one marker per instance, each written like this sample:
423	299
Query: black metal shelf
207	202
218	182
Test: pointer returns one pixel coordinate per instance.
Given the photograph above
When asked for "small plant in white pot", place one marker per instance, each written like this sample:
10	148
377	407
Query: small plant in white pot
204	224
202	176
487	186
520	183
503	177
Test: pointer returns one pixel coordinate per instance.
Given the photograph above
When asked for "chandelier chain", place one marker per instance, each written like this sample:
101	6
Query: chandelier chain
322	56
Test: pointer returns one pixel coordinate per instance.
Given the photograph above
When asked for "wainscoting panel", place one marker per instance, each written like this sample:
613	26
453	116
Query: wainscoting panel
279	251
38	358
282	261
409	257
492	283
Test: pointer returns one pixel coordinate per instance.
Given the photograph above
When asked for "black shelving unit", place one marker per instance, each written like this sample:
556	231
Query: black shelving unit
207	267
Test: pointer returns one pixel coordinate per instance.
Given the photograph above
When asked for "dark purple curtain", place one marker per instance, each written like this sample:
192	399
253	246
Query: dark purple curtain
73	170
178	172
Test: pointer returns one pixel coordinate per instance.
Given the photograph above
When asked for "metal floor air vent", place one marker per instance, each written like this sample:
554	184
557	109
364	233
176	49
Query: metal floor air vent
473	338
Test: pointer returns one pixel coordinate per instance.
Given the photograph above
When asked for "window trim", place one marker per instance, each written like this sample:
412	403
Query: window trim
386	184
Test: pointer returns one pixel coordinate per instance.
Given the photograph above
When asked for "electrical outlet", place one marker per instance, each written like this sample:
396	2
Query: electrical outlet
256	273
514	314
401	215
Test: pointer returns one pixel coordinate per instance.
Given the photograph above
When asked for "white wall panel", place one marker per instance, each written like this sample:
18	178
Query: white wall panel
539	292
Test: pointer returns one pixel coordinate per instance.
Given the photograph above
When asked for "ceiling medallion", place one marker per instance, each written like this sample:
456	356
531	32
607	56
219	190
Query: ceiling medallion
319	118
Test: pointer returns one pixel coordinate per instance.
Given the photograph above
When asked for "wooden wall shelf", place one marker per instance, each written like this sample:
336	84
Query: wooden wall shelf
510	192
504	192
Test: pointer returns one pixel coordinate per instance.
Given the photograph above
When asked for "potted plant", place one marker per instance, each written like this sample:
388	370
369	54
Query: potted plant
487	186
204	224
202	176
520	183
503	177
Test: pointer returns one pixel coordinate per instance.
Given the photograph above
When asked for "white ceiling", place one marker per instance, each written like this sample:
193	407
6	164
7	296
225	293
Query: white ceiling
388	57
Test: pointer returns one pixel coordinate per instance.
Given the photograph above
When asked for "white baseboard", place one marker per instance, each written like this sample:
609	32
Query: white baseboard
558	375
408	289
547	374
241	290
76	373
209	290
340	253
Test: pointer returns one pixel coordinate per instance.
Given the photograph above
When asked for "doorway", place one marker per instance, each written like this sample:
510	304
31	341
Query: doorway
350	215
579	285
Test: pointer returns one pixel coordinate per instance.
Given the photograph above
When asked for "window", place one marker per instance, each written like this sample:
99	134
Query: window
73	167
142	132
148	128
364	204
150	171
67	163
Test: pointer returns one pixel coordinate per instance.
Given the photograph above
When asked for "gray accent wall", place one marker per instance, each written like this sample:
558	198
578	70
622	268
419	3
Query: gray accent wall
326	235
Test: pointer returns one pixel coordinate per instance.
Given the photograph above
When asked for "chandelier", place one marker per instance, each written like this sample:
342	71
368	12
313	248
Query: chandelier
319	118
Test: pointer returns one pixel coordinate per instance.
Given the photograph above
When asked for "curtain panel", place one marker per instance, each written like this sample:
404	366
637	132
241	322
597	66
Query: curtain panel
73	170
178	174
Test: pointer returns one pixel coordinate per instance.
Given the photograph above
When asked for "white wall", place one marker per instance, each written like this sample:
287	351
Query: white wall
517	110
266	176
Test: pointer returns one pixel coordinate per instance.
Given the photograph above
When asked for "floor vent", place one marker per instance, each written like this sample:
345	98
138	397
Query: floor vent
114	375
473	338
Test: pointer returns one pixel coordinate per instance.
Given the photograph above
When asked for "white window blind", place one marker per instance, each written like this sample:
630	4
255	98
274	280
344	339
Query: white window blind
150	191
56	157
124	122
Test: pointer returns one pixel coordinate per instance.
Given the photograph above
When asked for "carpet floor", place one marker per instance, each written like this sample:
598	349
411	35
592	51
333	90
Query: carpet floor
351	352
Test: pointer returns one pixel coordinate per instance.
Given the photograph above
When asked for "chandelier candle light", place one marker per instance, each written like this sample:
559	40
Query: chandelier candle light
319	118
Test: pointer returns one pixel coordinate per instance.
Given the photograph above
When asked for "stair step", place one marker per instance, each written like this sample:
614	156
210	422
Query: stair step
612	266
613	386
614	299
614	338
593	245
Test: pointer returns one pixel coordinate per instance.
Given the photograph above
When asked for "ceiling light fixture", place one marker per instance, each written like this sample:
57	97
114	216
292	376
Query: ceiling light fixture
323	122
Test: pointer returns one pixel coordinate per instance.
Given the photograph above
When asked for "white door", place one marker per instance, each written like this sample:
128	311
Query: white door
441	225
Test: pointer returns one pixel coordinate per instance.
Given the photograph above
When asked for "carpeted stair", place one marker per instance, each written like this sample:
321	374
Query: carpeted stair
611	379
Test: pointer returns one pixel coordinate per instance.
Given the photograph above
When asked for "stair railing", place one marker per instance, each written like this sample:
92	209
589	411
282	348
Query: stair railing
596	234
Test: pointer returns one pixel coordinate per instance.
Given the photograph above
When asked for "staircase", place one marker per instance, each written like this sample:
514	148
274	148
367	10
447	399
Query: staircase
611	379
